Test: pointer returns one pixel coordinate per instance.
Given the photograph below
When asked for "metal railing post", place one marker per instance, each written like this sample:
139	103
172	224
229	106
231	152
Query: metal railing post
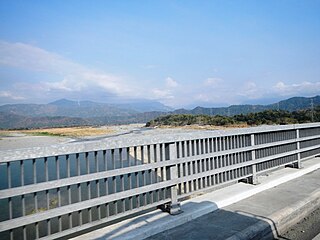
298	164
174	207
254	166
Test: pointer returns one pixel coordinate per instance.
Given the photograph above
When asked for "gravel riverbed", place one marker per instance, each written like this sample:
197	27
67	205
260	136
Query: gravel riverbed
24	141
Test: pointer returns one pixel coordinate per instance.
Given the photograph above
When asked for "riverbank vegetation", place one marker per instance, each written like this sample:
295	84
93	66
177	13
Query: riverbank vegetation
268	117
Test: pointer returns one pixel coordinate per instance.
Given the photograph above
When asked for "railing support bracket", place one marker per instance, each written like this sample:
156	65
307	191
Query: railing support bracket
172	209
296	165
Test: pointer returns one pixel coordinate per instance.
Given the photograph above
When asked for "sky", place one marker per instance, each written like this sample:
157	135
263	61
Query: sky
180	53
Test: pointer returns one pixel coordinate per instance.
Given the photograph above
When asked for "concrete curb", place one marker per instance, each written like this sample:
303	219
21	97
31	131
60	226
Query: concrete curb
280	221
266	186
160	224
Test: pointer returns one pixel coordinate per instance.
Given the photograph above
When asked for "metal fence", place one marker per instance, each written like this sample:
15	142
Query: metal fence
55	191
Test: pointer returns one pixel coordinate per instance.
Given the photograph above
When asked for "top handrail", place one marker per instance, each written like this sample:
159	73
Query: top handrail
132	140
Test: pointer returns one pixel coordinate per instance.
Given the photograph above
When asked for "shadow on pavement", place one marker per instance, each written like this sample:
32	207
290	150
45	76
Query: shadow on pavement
222	224
218	224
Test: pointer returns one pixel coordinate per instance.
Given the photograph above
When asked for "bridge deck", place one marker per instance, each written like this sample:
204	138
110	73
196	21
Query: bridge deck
244	210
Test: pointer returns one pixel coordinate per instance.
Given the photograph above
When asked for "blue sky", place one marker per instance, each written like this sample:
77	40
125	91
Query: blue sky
181	53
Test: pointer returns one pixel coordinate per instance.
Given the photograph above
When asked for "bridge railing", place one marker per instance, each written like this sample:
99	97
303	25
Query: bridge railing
54	191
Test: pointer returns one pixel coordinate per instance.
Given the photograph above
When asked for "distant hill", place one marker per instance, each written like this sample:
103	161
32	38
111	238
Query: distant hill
297	103
65	112
133	106
14	121
291	104
145	106
82	109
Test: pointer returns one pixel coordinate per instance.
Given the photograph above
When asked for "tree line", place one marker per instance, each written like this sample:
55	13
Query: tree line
268	117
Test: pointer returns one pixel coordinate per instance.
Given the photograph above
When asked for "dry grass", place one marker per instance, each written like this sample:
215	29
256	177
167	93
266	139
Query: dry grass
65	132
4	133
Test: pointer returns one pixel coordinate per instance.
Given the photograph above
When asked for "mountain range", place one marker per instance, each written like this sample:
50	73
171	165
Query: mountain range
83	109
65	112
291	104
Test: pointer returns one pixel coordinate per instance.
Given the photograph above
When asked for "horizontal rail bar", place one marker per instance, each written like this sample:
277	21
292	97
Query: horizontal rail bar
55	212
122	171
212	187
11	192
240	165
210	155
105	220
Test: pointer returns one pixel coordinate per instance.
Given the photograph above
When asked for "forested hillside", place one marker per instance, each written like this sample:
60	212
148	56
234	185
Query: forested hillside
291	104
267	117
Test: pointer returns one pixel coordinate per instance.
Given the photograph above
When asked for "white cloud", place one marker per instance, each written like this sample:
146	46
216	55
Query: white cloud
295	89
162	94
167	92
63	85
202	97
10	95
72	76
250	90
64	77
25	56
171	83
212	82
